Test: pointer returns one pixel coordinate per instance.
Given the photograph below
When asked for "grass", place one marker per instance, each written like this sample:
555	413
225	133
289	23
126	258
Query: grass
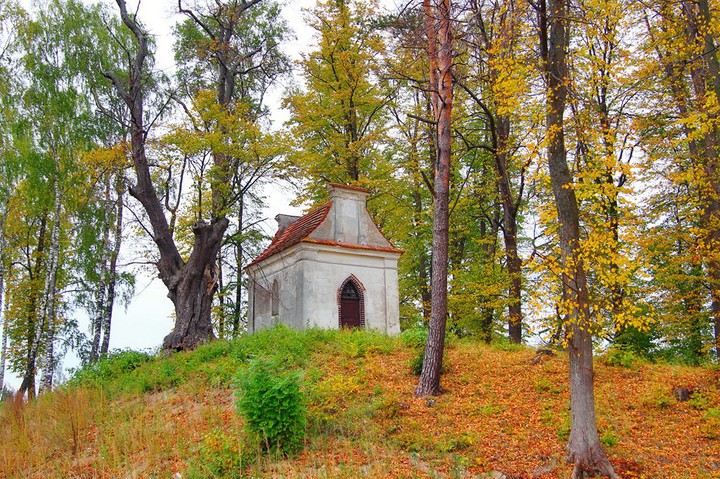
136	415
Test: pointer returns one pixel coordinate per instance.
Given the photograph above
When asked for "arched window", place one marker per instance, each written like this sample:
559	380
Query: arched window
351	308
275	295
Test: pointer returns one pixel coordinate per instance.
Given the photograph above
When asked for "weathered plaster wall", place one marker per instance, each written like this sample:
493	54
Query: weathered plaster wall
309	278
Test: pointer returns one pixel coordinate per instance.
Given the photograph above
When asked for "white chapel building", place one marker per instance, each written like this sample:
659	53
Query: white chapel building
330	268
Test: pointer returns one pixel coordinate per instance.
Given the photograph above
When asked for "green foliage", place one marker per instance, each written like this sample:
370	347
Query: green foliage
219	456
544	385
338	123
108	370
618	356
490	409
286	345
698	400
657	397
608	439
638	341
711	423
414	337
270	401
416	363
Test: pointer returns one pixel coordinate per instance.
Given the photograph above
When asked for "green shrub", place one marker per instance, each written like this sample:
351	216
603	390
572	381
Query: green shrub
620	357
657	397
608	438
270	400
710	427
110	369
416	363
414	337
290	347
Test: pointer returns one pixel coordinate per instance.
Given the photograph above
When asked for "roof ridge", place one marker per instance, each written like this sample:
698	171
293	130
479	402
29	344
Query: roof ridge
296	231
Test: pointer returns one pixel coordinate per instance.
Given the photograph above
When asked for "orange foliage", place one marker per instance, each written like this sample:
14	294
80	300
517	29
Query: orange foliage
499	412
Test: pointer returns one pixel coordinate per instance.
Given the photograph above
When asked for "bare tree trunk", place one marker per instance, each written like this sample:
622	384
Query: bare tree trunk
27	386
221	298
711	193
49	309
3	322
584	449
112	271
509	230
102	286
3	351
439	33
237	313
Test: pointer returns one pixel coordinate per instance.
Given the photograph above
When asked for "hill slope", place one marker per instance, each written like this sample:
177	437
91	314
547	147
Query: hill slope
136	416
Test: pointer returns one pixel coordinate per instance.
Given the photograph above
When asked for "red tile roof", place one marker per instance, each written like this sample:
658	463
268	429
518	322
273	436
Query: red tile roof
296	232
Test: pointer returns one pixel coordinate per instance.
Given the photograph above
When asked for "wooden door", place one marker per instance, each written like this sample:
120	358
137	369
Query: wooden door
350	306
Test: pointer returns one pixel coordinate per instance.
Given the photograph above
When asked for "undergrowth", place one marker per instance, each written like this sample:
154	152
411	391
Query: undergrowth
351	413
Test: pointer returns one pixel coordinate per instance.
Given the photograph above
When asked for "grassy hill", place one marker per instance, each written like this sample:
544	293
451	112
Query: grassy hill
136	416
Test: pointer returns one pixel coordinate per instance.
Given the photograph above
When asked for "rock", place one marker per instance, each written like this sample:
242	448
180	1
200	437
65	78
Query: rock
541	355
682	393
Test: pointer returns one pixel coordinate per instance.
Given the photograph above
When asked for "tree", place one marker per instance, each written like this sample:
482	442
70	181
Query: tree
495	44
683	37
191	282
230	127
339	121
584	449
438	28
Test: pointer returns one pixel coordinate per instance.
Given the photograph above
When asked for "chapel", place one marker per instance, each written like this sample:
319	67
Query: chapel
331	268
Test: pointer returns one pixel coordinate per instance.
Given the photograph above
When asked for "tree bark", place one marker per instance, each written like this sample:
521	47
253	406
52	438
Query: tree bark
3	322
703	148
509	230
97	320
584	449
112	270
237	312
710	193
27	386
438	19
497	39
191	285
49	309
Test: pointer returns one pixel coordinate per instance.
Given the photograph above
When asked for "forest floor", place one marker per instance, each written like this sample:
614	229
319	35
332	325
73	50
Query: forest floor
502	415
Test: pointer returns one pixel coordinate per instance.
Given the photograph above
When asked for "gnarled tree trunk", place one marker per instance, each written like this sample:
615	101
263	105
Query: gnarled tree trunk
191	285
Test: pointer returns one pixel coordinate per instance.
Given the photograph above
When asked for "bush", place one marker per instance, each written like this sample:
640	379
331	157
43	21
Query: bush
710	427
287	345
416	363
414	337
109	369
620	357
270	400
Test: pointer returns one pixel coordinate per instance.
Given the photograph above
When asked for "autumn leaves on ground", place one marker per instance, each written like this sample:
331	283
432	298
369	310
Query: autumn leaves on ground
504	413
